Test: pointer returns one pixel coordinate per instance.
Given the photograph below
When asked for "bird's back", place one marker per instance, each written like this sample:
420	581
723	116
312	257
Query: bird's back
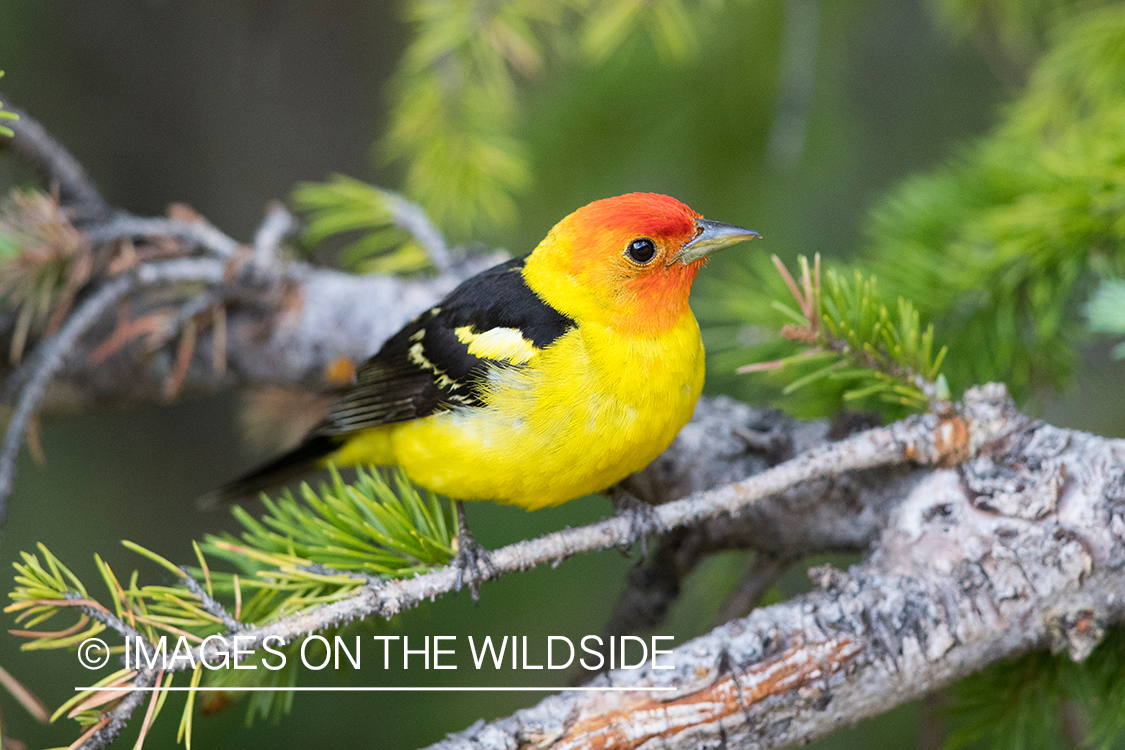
586	412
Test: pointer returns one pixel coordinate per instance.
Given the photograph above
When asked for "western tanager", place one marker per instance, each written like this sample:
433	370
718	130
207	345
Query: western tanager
542	379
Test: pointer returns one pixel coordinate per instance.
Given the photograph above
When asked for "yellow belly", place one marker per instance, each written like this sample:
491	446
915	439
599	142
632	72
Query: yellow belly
587	412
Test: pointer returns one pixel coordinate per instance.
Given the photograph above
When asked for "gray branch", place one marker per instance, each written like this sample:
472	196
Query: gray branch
58	168
202	233
988	420
44	366
274	228
985	534
1021	547
285	325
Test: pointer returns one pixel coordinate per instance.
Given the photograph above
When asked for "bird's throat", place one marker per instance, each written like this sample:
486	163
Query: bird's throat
655	304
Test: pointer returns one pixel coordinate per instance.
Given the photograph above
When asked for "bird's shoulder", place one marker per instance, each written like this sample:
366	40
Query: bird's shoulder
439	360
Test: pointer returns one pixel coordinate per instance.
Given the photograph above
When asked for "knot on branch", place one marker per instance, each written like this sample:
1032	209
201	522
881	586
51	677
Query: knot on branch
1077	632
1024	478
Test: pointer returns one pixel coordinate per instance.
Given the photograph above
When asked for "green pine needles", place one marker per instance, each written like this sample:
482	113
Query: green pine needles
1019	29
855	344
299	556
1003	245
1023	704
44	263
371	526
381	241
456	104
5	115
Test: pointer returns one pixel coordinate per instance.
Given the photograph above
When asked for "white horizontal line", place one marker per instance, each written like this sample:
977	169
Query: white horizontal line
373	689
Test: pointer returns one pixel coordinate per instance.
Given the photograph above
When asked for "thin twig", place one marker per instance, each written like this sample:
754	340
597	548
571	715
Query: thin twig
57	165
119	717
879	447
201	232
102	615
412	218
277	225
212	605
44	369
50	355
921	439
180	270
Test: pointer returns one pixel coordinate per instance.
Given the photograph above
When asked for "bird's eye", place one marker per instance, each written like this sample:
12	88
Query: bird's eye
641	250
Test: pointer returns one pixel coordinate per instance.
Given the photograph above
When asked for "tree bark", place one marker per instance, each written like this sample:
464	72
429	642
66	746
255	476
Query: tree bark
985	534
1021	548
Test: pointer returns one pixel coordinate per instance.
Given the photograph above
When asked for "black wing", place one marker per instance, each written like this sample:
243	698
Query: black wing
427	366
422	369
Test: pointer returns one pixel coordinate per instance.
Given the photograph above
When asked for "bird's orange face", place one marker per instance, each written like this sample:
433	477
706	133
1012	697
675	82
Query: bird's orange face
631	260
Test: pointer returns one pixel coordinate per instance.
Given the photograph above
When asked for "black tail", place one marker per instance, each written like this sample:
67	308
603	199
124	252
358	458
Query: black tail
301	460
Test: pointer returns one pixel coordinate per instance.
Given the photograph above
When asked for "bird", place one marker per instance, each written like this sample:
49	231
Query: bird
540	380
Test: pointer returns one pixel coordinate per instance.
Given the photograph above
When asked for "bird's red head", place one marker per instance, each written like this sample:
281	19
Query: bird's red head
627	262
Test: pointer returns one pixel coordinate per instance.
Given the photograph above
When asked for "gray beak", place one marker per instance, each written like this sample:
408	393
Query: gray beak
713	237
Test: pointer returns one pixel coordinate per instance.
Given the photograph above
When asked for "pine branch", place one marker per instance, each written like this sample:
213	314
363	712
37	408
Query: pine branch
999	246
881	602
397	235
945	590
456	98
197	232
850	337
47	362
49	357
205	256
110	726
376	307
987	417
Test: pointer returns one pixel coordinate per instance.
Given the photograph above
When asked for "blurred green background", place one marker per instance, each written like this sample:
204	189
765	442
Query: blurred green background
227	104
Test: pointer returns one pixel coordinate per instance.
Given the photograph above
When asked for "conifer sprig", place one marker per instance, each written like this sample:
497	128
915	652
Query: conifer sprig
456	103
392	234
851	336
1003	243
300	555
367	526
44	262
1021	703
5	115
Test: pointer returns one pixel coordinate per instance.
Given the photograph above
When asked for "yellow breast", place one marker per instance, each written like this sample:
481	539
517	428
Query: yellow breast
581	415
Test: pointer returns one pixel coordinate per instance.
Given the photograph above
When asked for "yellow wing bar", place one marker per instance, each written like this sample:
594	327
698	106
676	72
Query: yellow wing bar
502	344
